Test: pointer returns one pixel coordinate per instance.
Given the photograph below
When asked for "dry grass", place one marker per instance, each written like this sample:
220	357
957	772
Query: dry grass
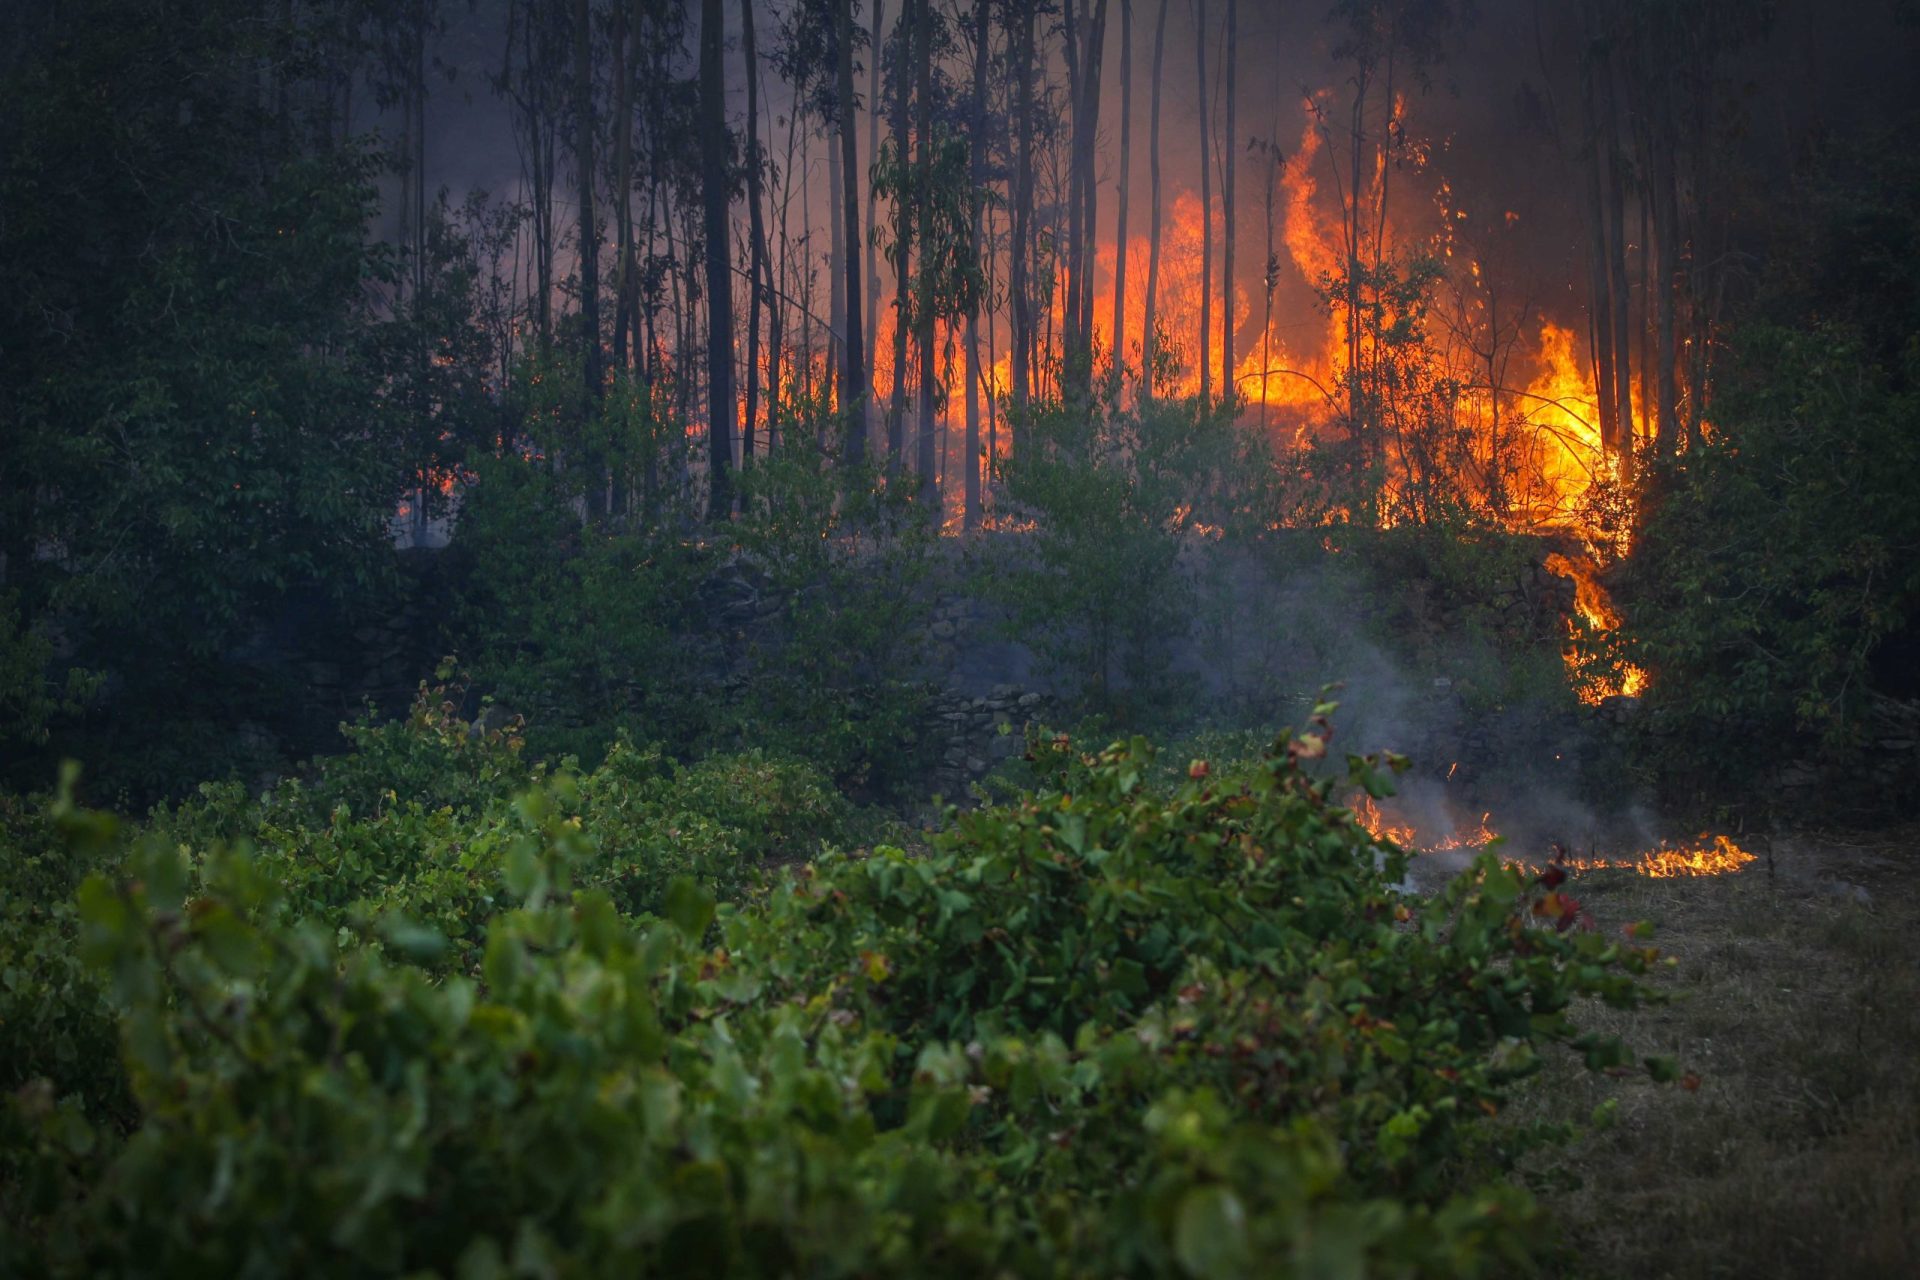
1796	999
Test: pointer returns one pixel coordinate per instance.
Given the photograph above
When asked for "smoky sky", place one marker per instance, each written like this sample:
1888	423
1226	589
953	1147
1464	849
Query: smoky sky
1497	115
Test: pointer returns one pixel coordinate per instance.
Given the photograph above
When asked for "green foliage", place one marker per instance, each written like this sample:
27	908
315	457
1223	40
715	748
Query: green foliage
31	697
199	438
1778	560
584	627
845	557
1128	1026
56	1025
1099	586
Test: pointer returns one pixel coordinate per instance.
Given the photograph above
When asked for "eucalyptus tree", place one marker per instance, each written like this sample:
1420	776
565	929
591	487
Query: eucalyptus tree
716	193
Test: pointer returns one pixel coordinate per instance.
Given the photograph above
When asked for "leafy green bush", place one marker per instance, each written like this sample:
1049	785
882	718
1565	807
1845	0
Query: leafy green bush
585	627
56	1024
1777	562
1123	1027
1098	586
845	557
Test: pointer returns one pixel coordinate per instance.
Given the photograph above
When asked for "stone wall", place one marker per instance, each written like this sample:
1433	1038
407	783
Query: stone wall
969	736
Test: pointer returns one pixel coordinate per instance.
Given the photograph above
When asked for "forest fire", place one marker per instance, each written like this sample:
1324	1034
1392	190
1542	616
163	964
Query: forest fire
1705	855
1595	608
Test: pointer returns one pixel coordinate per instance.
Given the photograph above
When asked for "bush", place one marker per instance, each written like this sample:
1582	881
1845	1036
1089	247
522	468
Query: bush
1098	587
1123	1027
845	559
585	627
1778	562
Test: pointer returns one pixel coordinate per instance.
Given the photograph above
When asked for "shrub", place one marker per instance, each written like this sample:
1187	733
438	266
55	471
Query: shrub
845	559
1758	612
1098	586
1121	1027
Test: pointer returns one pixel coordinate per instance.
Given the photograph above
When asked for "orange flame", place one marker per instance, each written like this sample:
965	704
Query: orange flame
1705	855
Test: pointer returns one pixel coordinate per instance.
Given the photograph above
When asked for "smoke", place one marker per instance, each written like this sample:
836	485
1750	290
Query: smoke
1496	742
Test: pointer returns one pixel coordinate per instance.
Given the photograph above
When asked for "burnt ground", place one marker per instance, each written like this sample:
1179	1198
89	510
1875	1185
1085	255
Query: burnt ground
1795	998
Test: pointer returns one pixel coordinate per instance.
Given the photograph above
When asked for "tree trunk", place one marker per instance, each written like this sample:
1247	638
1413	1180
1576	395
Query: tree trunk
1227	386
853	375
1620	300
1092	61
1149	337
1666	239
929	452
1600	328
623	273
758	230
837	249
903	246
976	180
589	237
870	355
1021	16
1206	208
1120	196
713	163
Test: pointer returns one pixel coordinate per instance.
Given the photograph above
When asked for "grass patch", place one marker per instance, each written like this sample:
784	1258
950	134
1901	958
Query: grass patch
1796	1000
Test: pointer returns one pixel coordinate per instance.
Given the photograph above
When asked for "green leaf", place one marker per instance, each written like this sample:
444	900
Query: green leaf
690	907
412	941
1210	1234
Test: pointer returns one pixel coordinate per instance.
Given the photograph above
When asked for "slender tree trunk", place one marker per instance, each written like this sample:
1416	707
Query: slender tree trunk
1666	239
1094	61
1206	207
1270	278
903	246
758	230
853	376
977	181
623	174
1228	389
589	237
836	280
929	450
1644	338
1120	196
1072	360
593	377
1020	12
776	388
805	272
713	161
1600	328
1620	300
1150	335
871	354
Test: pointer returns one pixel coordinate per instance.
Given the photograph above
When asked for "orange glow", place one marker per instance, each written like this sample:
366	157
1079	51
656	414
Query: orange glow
1595	607
1705	855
